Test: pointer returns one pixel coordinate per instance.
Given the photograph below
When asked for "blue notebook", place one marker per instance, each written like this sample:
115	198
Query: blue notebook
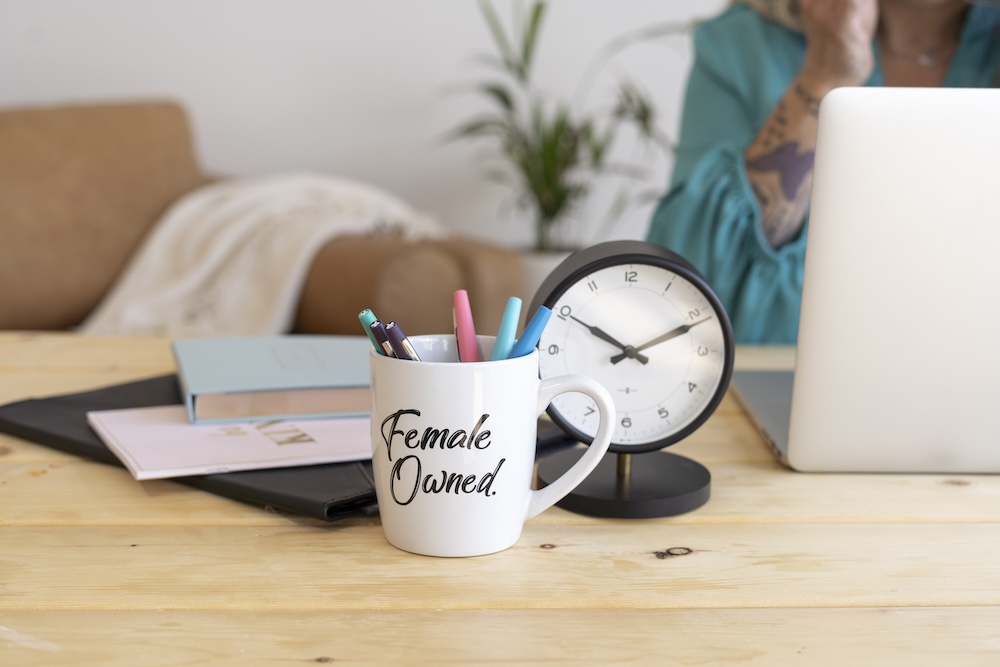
259	378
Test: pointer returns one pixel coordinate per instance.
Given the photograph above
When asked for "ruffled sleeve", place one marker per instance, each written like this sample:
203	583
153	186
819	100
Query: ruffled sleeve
710	215
743	64
712	219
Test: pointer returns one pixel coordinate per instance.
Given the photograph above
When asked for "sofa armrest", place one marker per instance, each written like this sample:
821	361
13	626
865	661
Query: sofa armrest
79	188
410	282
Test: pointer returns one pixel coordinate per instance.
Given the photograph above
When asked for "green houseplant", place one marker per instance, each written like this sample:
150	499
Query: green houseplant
548	153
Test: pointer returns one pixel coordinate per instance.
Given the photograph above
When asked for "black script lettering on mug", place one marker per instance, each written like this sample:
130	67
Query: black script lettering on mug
393	431
433	437
409	474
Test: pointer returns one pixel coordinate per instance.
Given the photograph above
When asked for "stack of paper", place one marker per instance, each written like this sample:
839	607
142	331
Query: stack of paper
160	442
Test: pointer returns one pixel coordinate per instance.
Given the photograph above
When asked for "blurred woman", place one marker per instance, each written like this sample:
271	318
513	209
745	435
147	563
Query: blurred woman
738	202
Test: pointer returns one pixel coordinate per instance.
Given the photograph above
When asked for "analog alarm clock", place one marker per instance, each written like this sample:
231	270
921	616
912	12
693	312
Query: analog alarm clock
644	323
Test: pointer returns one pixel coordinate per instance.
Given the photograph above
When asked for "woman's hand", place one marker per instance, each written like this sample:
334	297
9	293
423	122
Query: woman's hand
839	37
779	160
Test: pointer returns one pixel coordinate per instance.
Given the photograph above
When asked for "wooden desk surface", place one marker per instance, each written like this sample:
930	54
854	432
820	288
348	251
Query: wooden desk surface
777	568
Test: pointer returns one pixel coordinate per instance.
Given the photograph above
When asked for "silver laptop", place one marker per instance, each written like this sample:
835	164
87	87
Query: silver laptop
898	360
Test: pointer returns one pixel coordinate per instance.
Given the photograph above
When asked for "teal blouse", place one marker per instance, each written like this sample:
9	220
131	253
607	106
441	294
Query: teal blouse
743	65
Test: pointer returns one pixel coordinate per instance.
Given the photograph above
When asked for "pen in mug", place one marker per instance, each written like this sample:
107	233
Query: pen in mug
532	332
508	328
465	330
378	331
367	318
400	345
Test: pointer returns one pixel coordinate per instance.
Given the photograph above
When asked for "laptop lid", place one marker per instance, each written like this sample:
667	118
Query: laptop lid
898	358
766	397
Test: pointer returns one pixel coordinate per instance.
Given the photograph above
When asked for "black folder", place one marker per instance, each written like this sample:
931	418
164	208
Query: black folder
329	492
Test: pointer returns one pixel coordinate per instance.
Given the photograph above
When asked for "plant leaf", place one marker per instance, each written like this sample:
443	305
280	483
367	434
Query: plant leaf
531	37
499	94
479	128
499	36
549	157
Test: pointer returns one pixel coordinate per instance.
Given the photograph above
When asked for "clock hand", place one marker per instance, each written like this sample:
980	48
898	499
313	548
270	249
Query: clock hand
627	350
673	333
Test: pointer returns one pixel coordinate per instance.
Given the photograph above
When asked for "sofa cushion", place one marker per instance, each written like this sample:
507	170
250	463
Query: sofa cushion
411	282
79	187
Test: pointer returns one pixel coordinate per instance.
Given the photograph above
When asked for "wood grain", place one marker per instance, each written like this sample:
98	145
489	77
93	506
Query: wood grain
777	568
71	491
916	637
613	565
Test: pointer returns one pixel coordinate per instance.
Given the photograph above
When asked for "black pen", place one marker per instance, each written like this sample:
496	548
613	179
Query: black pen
378	330
400	345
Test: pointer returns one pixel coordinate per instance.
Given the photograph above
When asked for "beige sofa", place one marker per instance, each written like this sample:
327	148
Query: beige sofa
80	186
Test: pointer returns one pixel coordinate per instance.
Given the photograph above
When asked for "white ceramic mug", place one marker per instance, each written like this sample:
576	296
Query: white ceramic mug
453	446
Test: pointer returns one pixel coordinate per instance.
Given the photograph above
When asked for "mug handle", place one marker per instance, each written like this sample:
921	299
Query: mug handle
545	498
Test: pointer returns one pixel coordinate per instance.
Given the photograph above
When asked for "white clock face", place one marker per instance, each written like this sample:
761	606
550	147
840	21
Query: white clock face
650	336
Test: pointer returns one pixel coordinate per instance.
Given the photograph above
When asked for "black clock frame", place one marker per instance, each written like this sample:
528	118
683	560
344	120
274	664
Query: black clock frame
615	253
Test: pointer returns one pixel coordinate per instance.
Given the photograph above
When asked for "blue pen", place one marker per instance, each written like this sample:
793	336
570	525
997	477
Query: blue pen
401	347
368	318
508	327
378	331
532	332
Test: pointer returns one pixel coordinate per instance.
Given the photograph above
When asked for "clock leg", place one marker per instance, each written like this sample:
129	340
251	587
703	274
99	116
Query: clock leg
627	485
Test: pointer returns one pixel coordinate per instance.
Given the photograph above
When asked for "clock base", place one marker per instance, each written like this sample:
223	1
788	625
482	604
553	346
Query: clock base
639	486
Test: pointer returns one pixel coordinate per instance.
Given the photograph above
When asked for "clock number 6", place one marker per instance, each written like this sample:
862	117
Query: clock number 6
626	422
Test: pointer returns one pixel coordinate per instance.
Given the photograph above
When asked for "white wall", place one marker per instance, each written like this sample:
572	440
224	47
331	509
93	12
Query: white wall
356	88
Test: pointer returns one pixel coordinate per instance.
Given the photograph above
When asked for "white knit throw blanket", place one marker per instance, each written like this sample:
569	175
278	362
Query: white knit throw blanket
230	258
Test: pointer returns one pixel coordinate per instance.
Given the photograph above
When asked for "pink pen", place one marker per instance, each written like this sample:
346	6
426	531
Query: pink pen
465	330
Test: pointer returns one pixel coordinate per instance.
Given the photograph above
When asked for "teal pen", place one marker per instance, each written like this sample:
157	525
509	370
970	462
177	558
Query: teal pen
532	332
367	318
508	328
